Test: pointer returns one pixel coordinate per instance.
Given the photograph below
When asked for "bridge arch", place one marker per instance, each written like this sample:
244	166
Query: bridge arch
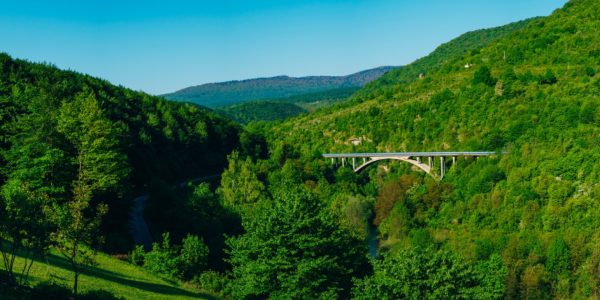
422	166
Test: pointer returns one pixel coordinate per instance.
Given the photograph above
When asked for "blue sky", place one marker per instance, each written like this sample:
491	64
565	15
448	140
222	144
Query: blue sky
162	46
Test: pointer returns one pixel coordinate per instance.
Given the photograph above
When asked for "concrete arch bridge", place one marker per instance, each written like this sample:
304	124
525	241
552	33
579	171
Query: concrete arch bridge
423	160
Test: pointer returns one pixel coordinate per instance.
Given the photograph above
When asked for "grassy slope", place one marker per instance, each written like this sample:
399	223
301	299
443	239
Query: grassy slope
110	274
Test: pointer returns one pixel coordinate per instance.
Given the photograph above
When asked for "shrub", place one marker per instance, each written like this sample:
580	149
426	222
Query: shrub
162	259
193	257
212	281
136	256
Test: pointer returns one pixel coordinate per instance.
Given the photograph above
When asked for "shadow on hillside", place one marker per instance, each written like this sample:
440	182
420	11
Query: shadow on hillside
61	262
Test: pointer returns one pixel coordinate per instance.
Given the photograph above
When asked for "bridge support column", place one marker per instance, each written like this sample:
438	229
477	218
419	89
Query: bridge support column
453	160
353	163
333	161
364	160
442	167
343	161
419	159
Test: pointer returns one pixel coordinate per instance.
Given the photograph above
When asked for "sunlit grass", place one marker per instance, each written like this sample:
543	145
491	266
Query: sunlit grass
118	277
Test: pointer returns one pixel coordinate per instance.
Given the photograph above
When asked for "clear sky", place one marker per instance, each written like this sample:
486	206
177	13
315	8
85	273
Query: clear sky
162	46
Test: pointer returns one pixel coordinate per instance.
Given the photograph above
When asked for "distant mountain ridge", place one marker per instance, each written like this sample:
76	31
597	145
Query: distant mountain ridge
239	91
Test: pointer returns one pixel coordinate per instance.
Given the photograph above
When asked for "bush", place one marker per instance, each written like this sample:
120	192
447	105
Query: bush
194	256
162	259
136	256
212	281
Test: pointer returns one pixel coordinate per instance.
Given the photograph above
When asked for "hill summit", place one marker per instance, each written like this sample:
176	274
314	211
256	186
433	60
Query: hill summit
238	91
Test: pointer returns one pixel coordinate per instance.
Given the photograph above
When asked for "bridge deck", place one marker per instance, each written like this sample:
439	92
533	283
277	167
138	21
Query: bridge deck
409	154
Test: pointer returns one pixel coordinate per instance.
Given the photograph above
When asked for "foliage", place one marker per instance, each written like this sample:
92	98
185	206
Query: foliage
247	112
283	108
470	42
136	256
182	262
160	140
483	75
522	224
558	257
193	256
239	183
97	166
213	282
292	248
429	274
535	97
163	258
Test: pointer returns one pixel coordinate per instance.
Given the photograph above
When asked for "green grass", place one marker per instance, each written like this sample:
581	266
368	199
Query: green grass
118	277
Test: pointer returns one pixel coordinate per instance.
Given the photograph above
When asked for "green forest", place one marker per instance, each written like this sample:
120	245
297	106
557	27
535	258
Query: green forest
255	212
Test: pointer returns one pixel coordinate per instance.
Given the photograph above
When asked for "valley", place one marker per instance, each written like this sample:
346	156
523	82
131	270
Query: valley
470	173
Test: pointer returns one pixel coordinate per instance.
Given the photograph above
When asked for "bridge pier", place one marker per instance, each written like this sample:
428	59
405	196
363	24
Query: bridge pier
442	167
353	163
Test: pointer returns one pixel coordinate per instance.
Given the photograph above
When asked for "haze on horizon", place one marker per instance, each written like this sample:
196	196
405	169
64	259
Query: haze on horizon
161	47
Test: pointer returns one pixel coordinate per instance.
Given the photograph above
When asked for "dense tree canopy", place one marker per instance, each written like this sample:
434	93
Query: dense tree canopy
293	249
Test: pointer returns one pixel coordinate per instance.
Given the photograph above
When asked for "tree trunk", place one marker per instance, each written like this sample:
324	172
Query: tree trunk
75	281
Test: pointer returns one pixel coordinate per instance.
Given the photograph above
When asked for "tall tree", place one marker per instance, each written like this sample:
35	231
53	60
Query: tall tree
32	181
239	184
294	249
97	166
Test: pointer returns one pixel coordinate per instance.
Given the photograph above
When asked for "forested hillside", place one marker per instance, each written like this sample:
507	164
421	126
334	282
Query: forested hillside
521	225
279	109
283	108
234	92
247	112
74	152
444	53
282	222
